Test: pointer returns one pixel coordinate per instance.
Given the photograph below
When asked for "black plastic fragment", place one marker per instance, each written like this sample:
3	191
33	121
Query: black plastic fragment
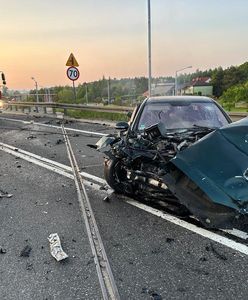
92	146
29	266
215	252
59	141
154	295
31	137
106	199
3	251
26	251
202	259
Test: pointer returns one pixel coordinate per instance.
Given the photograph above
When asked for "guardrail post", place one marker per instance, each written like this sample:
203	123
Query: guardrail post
65	111
45	109
54	110
16	107
29	109
23	108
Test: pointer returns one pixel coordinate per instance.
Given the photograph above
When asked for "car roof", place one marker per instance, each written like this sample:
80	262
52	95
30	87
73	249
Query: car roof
187	99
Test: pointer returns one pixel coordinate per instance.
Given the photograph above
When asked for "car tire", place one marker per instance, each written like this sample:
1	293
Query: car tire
115	175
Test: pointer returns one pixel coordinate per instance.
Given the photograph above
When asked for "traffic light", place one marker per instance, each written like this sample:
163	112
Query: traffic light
3	79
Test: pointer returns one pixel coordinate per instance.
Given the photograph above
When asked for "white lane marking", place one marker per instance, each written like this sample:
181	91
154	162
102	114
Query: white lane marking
200	231
90	166
236	232
28	155
54	126
51	168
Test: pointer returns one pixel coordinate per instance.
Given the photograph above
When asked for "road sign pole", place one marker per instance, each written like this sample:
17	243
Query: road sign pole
73	73
74	91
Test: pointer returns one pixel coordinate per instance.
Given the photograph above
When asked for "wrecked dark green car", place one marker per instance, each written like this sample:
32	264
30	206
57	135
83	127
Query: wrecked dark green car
185	151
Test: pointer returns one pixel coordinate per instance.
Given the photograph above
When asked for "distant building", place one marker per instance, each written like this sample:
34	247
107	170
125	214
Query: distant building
198	86
161	89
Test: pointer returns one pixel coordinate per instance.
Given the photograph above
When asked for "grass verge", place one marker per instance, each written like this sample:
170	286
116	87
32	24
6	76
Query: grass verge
95	115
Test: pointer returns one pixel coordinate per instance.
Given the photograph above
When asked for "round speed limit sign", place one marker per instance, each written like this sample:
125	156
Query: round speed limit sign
73	73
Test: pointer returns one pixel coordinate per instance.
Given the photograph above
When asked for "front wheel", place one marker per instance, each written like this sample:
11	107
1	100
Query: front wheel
115	175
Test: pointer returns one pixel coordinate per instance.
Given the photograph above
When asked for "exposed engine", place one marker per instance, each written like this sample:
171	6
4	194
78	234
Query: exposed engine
156	144
145	156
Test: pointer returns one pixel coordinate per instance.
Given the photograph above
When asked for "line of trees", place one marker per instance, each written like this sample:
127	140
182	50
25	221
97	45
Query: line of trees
122	91
230	85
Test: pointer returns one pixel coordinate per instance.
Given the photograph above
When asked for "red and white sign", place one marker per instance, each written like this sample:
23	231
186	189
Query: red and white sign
73	73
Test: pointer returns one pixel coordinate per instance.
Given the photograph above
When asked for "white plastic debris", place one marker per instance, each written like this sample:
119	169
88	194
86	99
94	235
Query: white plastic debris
55	247
5	195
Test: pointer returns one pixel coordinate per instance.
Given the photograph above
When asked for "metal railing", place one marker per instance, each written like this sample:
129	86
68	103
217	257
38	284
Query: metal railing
65	106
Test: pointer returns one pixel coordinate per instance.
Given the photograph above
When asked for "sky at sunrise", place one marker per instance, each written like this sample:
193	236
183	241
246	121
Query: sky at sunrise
109	37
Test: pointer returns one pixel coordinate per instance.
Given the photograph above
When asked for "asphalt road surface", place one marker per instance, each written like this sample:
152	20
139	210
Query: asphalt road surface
151	258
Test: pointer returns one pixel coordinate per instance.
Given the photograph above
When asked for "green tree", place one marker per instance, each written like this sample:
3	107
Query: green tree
235	94
66	95
217	81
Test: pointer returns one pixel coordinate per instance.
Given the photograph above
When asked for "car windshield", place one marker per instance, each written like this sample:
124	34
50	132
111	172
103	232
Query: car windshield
178	116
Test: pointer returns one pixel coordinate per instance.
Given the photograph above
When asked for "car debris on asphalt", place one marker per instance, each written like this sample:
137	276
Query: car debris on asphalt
215	252
31	137
106	199
29	266
3	251
152	293
55	247
26	251
59	141
4	194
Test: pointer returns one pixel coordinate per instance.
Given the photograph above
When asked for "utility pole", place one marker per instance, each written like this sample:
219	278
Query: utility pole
109	90
48	94
86	93
149	51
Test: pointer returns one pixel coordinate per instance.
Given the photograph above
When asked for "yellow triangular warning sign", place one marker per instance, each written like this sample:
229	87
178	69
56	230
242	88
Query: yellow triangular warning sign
72	62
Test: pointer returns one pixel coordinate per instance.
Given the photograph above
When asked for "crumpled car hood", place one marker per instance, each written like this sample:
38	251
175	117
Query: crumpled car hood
218	164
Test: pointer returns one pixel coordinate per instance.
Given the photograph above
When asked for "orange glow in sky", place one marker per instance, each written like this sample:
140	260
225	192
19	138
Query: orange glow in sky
110	38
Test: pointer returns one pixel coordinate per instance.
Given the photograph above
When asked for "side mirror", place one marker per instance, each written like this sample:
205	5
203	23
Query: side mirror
121	126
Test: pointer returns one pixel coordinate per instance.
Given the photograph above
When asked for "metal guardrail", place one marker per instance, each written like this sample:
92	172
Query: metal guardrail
65	106
235	116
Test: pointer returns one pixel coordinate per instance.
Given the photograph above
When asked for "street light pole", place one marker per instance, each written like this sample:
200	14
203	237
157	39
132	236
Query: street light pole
3	82
36	87
176	77
149	51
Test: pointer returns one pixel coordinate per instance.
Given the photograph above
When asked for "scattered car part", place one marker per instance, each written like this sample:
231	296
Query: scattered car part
26	251
56	248
4	194
3	251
